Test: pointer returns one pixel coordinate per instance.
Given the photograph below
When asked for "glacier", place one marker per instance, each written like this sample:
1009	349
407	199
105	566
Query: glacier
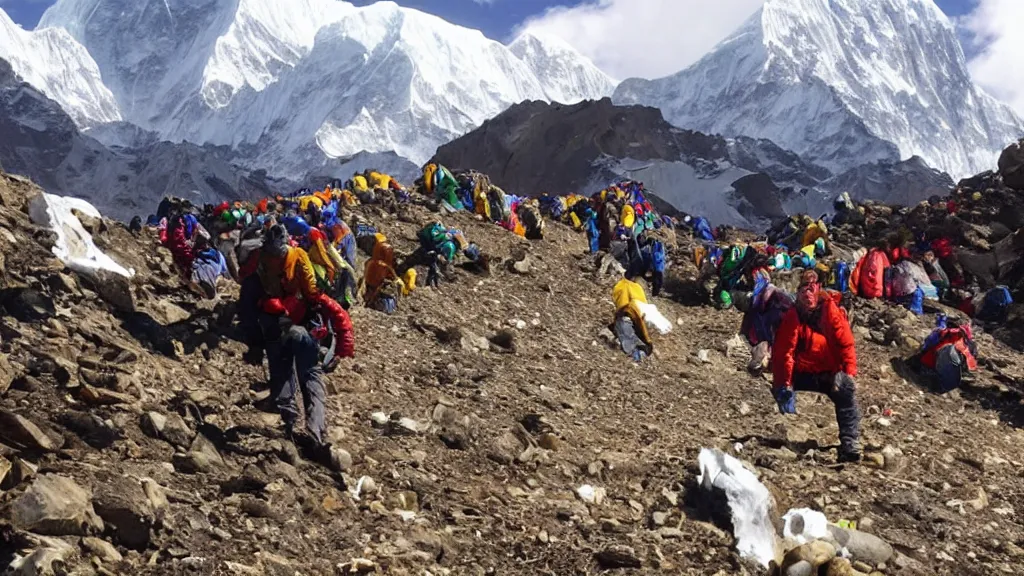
288	84
842	83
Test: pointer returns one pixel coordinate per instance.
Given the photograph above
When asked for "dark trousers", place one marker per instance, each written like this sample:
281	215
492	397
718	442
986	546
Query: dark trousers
845	400
294	359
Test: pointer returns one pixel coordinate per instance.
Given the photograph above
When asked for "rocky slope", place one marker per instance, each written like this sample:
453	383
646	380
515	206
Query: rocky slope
41	141
159	441
537	147
841	83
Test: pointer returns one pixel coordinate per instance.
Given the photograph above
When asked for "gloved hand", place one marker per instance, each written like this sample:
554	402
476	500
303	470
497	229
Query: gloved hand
843	382
639	355
786	399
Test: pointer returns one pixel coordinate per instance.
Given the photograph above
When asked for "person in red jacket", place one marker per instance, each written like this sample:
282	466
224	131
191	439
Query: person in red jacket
814	352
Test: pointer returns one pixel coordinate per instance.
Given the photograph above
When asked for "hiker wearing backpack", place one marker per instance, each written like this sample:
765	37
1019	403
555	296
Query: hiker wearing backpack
292	319
762	319
814	352
381	286
950	352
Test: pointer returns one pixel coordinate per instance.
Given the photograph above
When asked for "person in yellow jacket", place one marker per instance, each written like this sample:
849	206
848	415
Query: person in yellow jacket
629	326
359	183
333	274
627	218
379	180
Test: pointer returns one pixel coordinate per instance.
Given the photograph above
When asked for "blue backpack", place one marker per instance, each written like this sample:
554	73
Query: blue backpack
996	303
841	277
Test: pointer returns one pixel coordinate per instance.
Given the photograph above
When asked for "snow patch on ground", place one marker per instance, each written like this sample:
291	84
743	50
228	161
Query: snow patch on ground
74	246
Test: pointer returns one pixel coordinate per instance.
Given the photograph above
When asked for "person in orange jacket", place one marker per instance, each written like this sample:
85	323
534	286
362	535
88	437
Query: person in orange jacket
292	317
814	352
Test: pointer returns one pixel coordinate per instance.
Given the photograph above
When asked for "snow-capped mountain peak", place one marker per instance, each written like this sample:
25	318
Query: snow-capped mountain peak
61	68
280	77
567	76
842	82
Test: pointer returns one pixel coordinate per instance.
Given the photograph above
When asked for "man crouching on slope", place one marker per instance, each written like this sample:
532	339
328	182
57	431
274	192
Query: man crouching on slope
814	352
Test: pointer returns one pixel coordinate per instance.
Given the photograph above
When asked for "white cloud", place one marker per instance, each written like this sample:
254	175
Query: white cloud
998	65
645	38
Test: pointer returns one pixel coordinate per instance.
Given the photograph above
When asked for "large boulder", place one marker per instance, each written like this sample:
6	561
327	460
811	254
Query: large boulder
125	508
1011	166
55	506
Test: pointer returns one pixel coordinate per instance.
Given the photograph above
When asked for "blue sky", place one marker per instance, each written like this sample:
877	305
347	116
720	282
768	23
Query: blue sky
497	18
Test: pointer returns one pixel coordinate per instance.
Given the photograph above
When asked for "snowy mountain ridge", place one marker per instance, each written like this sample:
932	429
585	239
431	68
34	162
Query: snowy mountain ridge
61	68
841	82
275	77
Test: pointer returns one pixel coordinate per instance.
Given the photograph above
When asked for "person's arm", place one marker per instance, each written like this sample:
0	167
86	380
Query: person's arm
840	338
341	323
784	350
307	277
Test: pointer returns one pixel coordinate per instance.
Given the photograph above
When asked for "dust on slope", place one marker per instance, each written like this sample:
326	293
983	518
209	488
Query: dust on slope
489	499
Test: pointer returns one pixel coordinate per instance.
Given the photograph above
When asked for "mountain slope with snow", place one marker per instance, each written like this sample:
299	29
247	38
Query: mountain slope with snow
58	66
842	83
270	78
41	141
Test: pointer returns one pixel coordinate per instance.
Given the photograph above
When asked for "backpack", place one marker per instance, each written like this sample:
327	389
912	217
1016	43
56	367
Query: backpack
995	305
872	279
840	278
433	235
902	282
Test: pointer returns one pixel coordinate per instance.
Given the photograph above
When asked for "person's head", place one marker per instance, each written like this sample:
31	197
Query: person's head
928	256
809	292
275	241
201	243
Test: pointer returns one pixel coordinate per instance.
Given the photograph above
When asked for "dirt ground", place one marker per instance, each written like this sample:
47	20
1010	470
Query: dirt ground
500	398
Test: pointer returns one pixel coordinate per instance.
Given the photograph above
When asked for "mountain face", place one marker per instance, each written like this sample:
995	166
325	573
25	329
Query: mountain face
537	147
58	66
41	141
272	78
841	83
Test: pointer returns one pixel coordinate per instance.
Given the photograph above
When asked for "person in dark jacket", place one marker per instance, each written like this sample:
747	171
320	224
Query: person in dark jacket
814	352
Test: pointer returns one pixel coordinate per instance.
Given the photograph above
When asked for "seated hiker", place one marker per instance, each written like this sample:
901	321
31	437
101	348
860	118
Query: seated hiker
207	266
531	219
647	256
182	231
333	274
950	352
762	319
381	286
936	274
904	287
629	326
814	352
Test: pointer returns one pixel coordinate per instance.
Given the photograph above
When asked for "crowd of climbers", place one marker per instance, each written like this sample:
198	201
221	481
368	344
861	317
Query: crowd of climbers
295	259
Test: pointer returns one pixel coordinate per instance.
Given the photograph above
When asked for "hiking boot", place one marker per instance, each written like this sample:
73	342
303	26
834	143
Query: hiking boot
849	452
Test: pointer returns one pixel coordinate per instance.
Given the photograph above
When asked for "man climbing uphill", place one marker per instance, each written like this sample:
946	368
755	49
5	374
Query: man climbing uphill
288	301
814	352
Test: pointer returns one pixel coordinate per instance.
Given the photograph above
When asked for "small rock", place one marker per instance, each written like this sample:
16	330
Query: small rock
618	556
379	419
817	553
20	471
744	409
171	428
670	533
549	442
893	460
17	430
201	457
341	460
102	549
55	506
591	495
659	518
704	356
405	500
92	429
357	566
